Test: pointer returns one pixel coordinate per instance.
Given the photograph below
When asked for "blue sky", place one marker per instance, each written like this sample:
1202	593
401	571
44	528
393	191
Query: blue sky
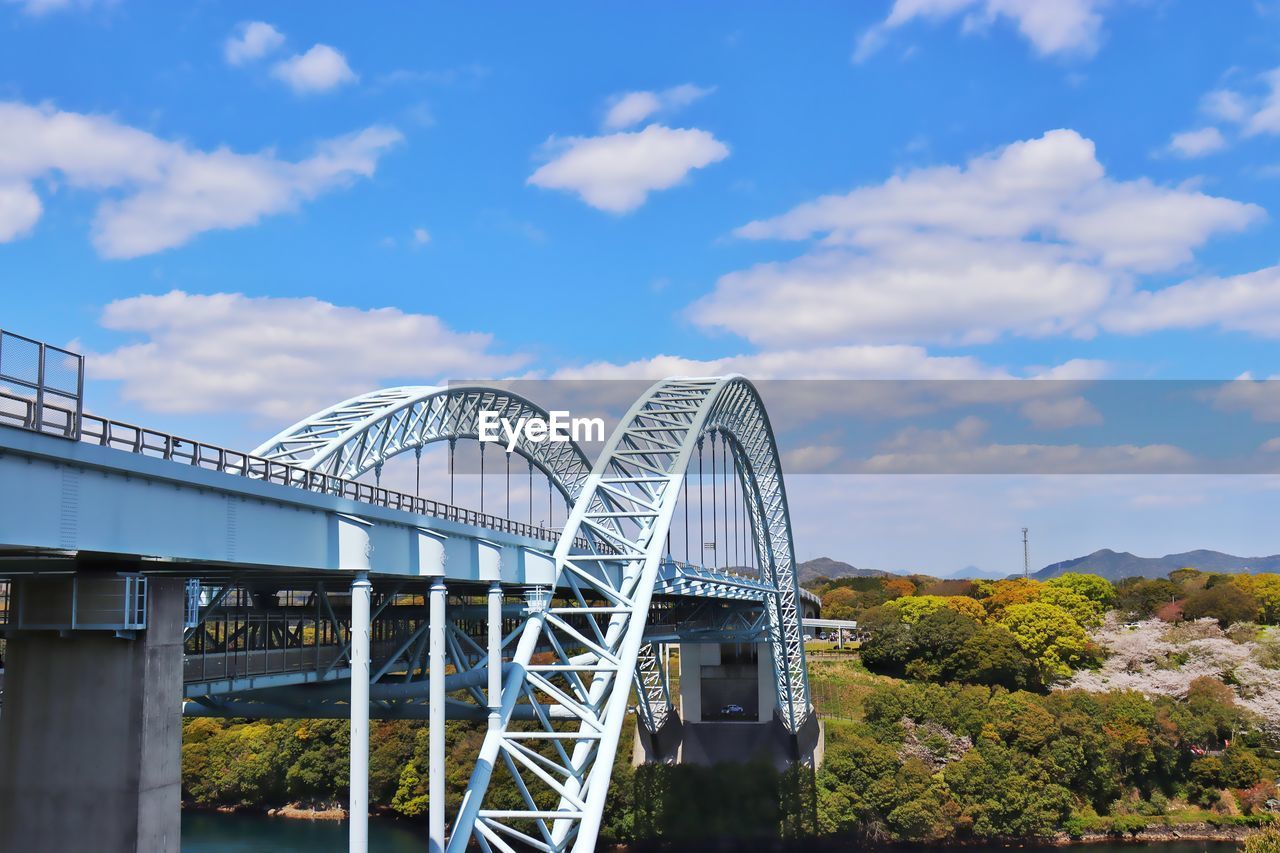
246	211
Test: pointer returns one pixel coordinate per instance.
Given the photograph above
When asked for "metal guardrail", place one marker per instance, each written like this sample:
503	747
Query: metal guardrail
198	454
87	603
41	415
41	386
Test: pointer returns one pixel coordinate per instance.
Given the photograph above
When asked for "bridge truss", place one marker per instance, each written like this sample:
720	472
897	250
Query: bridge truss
608	564
624	513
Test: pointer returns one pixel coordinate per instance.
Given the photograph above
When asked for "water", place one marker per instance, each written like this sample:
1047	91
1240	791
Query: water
242	833
204	832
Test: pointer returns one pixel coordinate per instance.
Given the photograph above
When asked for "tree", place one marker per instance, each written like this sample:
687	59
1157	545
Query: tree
839	603
1007	593
1241	768
898	587
1227	603
1266	589
889	638
1093	587
1188	578
1264	841
1050	637
935	638
991	656
1084	610
916	607
1143	596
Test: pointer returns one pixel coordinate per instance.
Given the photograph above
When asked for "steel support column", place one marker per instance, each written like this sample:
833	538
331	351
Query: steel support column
495	655
361	594
435	725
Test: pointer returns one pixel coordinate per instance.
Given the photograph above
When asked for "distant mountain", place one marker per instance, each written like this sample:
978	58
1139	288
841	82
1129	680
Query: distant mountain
1115	565
973	573
825	567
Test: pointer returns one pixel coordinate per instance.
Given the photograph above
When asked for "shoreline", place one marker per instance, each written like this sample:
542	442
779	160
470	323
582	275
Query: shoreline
1163	834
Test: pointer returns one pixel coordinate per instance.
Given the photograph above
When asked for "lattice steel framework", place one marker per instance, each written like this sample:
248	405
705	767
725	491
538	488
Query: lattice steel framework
358	435
624	513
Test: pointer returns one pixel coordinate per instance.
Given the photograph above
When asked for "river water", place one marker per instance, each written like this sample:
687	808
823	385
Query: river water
241	833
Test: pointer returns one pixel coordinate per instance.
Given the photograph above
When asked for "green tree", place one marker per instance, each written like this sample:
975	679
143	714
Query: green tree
1050	637
1142	596
1263	841
1226	603
1266	589
992	656
1093	587
1084	610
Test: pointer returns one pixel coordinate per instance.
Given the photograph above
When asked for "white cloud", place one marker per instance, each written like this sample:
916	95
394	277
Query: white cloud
1030	239
1061	413
1224	105
1060	27
171	192
278	358
252	40
318	70
1257	113
1197	143
1241	303
617	172
19	211
1075	370
631	108
43	7
960	450
1258	397
847	362
421	236
810	459
1266	117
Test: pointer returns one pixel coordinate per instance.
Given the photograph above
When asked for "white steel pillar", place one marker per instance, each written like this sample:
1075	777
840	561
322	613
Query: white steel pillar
436	714
358	807
495	655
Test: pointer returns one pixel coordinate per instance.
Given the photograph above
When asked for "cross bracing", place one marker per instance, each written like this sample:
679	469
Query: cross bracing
623	513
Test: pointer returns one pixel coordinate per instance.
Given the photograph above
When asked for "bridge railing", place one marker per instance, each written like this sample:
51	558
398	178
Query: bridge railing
45	416
42	389
41	386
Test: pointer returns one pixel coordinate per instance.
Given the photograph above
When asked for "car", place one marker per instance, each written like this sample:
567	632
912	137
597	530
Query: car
732	710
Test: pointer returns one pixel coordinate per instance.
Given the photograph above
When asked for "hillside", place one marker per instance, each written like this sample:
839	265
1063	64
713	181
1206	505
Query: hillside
1115	565
825	567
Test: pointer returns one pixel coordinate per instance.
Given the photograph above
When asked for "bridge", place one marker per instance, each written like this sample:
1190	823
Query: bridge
144	576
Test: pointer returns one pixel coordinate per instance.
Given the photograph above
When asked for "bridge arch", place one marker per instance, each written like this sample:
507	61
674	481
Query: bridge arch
624	512
358	435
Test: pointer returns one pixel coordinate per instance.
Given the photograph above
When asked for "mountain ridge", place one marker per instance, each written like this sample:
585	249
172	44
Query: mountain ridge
1114	565
1110	564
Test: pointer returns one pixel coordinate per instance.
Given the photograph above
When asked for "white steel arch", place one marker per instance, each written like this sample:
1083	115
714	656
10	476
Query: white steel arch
359	435
624	512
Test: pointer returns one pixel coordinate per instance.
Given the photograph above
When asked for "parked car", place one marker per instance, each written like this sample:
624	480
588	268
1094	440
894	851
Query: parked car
732	710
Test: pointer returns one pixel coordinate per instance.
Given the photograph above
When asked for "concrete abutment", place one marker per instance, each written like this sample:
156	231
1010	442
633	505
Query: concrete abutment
91	734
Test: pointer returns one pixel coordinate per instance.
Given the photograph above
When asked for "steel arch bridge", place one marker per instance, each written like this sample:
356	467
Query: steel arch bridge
625	511
280	548
622	509
358	435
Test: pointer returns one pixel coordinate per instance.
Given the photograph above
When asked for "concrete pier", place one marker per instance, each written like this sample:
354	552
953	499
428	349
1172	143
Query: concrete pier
90	736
